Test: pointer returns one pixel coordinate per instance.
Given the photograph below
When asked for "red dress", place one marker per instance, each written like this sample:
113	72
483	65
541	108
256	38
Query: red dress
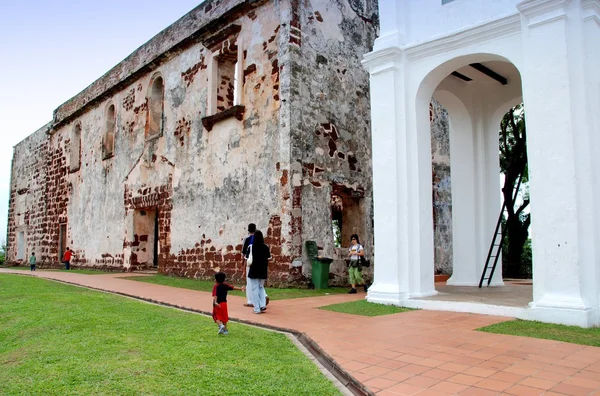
220	292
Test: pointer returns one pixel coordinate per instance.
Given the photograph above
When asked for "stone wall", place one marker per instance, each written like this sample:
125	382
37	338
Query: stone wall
442	192
181	198
330	126
30	198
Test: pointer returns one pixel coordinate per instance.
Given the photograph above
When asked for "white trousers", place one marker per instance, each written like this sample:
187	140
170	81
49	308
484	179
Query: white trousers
259	297
248	287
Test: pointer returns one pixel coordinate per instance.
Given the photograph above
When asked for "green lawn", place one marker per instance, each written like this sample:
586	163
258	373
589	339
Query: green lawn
365	308
57	339
203	285
526	328
84	271
77	271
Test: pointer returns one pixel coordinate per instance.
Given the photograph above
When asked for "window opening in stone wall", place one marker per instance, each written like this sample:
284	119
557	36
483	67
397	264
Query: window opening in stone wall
75	162
21	245
346	210
62	241
155	99
336	219
109	133
225	77
236	84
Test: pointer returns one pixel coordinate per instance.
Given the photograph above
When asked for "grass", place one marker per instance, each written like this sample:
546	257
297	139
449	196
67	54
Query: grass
365	308
548	331
23	268
77	271
203	285
58	339
84	271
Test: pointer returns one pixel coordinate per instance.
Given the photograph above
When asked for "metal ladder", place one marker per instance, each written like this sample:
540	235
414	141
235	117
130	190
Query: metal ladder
496	246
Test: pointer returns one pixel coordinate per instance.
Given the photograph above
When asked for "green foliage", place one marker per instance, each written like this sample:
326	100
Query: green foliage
58	339
2	252
204	285
337	233
365	308
513	163
525	328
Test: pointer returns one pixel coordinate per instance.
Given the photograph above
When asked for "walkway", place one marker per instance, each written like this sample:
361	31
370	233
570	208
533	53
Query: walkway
423	353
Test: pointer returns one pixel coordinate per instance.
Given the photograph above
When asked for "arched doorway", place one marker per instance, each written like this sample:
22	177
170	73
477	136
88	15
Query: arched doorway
418	56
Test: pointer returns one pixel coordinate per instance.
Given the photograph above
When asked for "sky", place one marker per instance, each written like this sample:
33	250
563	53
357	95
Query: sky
53	49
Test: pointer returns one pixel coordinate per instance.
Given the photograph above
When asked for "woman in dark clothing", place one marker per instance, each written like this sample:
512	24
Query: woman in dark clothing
258	272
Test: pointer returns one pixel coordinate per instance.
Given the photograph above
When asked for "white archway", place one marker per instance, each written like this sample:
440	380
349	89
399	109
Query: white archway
528	39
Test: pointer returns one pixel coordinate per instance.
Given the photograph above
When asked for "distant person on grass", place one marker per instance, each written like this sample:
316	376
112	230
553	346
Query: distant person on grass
220	312
32	261
67	258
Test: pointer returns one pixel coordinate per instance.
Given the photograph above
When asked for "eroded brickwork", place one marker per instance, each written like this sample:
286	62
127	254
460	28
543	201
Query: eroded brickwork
180	199
330	127
28	202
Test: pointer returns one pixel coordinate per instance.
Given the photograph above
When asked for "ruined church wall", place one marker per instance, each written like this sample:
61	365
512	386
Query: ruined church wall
304	136
205	186
330	125
28	199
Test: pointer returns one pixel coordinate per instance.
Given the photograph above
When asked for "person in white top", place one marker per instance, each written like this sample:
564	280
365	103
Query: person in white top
354	269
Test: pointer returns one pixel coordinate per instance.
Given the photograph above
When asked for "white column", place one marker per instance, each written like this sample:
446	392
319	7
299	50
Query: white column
591	35
390	285
463	166
419	209
561	175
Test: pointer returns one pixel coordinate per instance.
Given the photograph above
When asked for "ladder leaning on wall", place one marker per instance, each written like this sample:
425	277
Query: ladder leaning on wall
496	245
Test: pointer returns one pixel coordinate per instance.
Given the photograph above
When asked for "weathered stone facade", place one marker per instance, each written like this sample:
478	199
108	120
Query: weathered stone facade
442	192
242	111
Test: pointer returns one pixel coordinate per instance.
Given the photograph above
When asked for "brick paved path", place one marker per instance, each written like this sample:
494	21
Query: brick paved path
423	353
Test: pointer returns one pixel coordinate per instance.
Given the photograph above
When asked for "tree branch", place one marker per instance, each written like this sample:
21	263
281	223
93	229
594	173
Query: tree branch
522	207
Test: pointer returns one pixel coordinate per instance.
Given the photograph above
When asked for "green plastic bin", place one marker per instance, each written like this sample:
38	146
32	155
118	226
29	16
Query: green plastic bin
320	266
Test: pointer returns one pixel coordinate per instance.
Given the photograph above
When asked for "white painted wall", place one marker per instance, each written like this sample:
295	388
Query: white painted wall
547	42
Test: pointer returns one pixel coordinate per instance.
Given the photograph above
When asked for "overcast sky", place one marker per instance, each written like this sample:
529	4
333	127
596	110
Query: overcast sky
53	49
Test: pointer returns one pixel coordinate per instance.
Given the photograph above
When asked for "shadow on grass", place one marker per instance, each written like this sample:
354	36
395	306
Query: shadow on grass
365	308
206	285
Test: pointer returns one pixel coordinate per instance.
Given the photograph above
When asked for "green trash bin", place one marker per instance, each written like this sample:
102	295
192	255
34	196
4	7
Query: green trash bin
320	266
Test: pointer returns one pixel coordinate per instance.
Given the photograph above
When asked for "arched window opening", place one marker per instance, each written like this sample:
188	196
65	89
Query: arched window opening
75	162
109	133
154	122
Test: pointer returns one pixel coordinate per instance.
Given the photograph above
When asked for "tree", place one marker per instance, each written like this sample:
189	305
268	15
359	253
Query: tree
513	162
2	251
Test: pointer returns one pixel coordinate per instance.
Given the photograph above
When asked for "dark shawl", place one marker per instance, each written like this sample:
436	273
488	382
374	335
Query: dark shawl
260	257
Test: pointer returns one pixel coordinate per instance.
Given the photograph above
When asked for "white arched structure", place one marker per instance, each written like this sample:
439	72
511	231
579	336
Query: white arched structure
548	52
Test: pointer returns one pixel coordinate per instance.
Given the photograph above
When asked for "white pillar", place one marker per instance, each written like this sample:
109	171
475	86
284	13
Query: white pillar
390	284
564	210
462	166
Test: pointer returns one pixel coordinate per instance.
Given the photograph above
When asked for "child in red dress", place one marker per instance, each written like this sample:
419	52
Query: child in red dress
220	313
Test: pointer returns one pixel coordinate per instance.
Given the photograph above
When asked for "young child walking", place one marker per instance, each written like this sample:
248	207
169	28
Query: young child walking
32	261
220	313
